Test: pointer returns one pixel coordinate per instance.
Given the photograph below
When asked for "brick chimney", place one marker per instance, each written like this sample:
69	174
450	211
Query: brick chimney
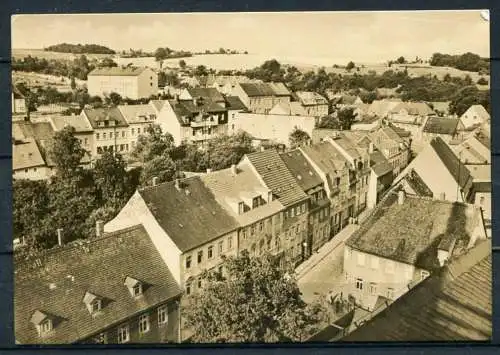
60	240
99	228
401	197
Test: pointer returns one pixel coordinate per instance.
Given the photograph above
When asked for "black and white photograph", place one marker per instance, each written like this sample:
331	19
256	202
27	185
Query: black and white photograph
251	177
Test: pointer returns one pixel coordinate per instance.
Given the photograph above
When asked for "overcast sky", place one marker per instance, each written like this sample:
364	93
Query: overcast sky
363	36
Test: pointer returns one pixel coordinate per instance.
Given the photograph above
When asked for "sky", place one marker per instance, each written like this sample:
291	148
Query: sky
363	36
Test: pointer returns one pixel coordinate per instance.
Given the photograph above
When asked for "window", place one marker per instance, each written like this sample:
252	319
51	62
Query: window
86	141
361	259
200	284
221	247
138	131
126	147
45	327
188	261
132	131
292	213
123	134
303	208
230	243
200	256
373	288
221	270
96	306
423	275
162	315
123	334
101	339
244	233
137	290
261	226
359	284
34	170
390	293
188	288
252	229
122	147
481	200
255	202
241	208
97	136
210	252
144	323
99	150
104	135
110	135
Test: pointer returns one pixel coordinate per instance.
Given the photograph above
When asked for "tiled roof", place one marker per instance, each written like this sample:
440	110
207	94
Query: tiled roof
409	233
380	164
349	146
79	123
26	154
458	170
391	134
234	103
280	89
318	134
308	98
328	159
441	125
191	215
400	131
472	151
117	71
452	305
417	184
158	104
209	94
17	93
137	113
289	108
482	186
304	173
37	130
265	89
277	177
229	189
478	110
413	108
98	266
96	115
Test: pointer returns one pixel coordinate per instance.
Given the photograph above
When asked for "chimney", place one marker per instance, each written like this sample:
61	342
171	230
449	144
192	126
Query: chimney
370	148
442	196
99	228
60	236
155	181
177	184
176	97
401	197
234	171
209	170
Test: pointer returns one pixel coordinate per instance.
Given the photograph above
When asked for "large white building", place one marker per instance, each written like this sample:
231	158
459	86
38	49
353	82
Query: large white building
130	82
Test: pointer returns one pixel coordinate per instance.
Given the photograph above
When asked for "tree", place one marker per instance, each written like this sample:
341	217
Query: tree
111	178
329	122
161	167
298	138
468	96
346	118
401	60
227	150
160	54
255	300
66	152
107	63
182	63
113	99
153	144
29	205
73	83
201	70
104	214
350	66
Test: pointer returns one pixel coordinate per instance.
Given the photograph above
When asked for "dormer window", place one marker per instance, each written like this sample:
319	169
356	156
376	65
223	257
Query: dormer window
93	302
255	202
241	208
135	286
42	322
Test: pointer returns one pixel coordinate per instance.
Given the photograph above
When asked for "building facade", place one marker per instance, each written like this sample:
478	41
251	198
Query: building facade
262	97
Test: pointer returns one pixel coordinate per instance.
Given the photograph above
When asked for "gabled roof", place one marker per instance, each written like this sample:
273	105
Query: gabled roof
17	94
379	164
158	104
478	110
100	264
117	71
277	177
26	154
410	232
265	89
210	94
191	216
79	123
310	98
234	103
96	115
472	151
137	113
456	168
37	130
417	184
441	125
413	108
402	133
454	304
289	108
303	172
349	146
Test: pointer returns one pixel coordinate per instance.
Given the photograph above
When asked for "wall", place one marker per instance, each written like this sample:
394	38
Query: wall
317	110
136	212
105	137
88	142
34	173
372	190
147	84
168	122
158	333
18	105
126	86
273	127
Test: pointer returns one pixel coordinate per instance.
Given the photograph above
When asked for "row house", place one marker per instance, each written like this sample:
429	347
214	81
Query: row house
189	228
395	149
313	103
29	161
262	97
406	239
275	175
129	82
82	129
139	118
319	204
99	291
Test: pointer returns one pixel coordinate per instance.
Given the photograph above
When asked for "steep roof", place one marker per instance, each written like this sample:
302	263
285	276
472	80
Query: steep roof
98	266
191	215
26	154
137	113
410	232
277	177
380	164
17	94
417	184
234	103
479	110
289	108
265	89
452	305
327	158
472	151
441	125
456	168
309	98
280	89
229	189
210	94
413	108
117	71
37	130
77	122
303	172
400	131
158	104
96	115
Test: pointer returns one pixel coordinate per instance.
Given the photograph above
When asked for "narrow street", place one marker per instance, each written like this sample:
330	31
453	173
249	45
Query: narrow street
323	271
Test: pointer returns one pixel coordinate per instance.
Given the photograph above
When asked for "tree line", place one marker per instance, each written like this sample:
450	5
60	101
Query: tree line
467	61
79	48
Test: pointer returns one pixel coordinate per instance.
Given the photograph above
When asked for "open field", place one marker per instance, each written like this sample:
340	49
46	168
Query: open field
40	53
42	80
